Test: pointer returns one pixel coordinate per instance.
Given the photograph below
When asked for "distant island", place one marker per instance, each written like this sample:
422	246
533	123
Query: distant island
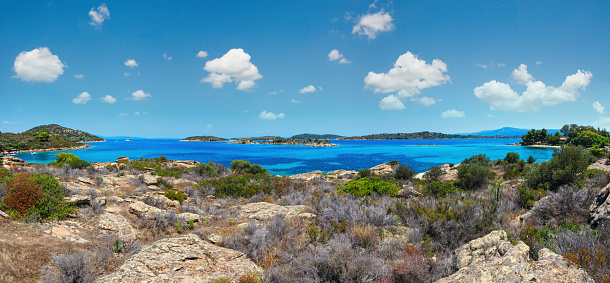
204	138
418	136
45	138
316	137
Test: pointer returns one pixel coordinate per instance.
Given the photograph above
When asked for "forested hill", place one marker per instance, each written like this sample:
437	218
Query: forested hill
418	135
55	130
315	137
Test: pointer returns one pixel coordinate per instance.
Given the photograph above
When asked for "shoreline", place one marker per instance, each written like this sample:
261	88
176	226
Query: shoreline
537	145
84	146
291	143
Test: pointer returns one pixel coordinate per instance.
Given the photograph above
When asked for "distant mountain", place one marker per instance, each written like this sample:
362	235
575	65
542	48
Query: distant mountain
68	134
204	138
315	137
506	131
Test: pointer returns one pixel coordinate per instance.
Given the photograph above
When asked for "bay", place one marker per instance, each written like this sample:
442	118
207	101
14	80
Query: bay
295	159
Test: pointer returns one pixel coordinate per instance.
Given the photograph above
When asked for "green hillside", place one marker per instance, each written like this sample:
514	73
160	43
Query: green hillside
58	131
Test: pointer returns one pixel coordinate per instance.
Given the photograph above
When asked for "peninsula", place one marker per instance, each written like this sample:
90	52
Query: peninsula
46	138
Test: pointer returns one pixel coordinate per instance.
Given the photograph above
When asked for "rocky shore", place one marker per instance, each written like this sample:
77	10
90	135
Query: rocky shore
55	149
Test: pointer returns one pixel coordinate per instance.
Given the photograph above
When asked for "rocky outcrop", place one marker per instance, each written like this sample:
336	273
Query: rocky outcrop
600	209
148	179
493	258
142	210
263	211
383	169
408	191
342	174
308	176
448	172
183	259
78	200
117	225
12	162
122	159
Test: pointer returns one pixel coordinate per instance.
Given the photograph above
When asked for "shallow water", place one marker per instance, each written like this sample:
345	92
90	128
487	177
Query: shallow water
294	159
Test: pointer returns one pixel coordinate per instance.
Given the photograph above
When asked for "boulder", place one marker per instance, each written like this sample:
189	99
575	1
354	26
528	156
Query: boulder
408	191
308	176
78	200
493	258
4	215
148	179
118	225
383	169
86	181
142	210
188	216
183	259
342	174
12	162
599	211
122	159
449	172
263	211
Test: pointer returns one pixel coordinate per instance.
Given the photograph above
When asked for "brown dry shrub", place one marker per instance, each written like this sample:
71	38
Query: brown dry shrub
22	193
411	266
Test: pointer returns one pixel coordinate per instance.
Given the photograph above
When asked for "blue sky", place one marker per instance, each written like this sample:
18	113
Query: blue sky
136	68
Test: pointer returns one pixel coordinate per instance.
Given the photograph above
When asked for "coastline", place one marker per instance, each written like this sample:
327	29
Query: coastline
55	149
310	144
537	145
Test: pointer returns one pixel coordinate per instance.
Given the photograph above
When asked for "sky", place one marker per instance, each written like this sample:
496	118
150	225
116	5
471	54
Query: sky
172	69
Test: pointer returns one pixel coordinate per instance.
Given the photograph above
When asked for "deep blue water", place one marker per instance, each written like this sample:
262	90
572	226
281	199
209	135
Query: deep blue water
288	159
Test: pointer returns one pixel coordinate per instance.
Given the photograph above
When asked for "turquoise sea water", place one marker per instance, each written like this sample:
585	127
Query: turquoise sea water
289	159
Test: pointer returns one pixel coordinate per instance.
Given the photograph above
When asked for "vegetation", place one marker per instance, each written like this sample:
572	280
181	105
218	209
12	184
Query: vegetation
366	187
63	133
204	138
70	159
29	141
564	168
315	137
418	135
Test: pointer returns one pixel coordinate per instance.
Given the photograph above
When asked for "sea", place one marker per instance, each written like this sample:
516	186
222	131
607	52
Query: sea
420	155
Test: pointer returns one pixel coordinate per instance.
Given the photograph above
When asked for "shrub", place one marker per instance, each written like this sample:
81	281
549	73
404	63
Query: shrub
565	166
531	160
365	173
240	165
23	193
366	187
511	157
70	159
477	159
433	174
595	151
472	176
257	169
205	169
529	196
568	204
74	267
411	266
404	172
52	204
175	195
438	189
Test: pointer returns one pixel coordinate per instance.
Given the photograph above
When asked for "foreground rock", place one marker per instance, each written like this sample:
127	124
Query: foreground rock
383	169
308	176
12	162
448	173
493	258
600	209
117	225
183	259
263	211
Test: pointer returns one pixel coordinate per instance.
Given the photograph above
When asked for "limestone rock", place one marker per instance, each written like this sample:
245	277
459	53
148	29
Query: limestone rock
308	176
143	210
342	174
263	211
148	179
599	211
118	225
86	181
122	159
12	162
493	258
383	169
188	216
408	191
2	214
78	200
182	259
449	172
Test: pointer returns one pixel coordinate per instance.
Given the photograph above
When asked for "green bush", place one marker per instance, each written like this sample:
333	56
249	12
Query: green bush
241	166
439	189
511	157
365	173
246	185
178	195
52	204
589	139
205	169
531	160
70	159
564	168
595	151
528	196
404	172
472	176
366	187
257	169
433	174
168	173
477	159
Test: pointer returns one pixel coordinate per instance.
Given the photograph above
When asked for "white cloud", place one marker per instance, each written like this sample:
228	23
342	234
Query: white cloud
98	17
482	66
275	92
108	99
408	77
391	102
168	58
538	62
270	116
490	116
598	107
334	55
602	122
491	65
295	101
453	114
521	76
126	74
371	24
234	66
38	65
426	101
308	89
202	54
502	97
131	63
9	122
82	98
138	113
139	95
79	76
123	114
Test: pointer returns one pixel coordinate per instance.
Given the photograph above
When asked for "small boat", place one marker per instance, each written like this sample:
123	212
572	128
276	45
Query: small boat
128	140
34	153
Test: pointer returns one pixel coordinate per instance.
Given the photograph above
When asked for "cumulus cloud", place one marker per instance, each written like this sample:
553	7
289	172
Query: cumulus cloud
168	58
372	24
270	116
501	97
138	113
131	63
139	95
108	99
98	17
234	66
38	65
82	98
521	76
202	54
426	101
482	66
453	114
308	89
391	102
538	62
295	101
334	55
79	76
598	107
491	65
123	114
